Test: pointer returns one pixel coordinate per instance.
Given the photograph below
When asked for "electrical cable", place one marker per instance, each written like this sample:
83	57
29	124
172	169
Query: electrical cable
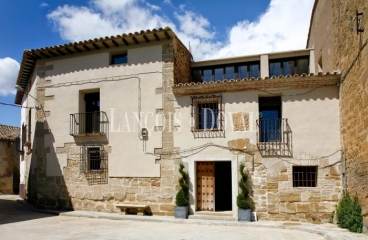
14	105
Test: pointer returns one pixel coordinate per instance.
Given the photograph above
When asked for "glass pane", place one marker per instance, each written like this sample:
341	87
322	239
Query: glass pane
197	76
208	114
288	68
119	59
275	69
243	72
219	74
230	73
207	75
302	66
254	70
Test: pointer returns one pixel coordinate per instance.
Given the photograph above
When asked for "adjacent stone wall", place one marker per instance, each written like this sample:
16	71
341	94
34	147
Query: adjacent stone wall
182	61
351	55
9	166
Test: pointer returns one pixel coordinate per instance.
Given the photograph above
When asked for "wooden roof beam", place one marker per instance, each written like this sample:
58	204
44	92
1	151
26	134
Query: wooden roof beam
156	36
78	49
44	55
95	46
125	41
105	45
135	40
61	52
68	50
86	47
146	38
115	43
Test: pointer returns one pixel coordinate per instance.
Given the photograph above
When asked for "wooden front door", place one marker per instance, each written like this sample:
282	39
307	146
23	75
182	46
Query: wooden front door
206	186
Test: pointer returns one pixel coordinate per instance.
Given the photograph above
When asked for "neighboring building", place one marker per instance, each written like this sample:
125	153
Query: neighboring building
338	34
9	159
87	151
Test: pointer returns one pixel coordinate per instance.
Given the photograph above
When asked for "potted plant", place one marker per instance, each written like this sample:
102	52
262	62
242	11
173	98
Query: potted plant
244	213
182	197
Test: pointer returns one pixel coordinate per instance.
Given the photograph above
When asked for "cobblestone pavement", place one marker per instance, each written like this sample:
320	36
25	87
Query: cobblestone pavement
17	221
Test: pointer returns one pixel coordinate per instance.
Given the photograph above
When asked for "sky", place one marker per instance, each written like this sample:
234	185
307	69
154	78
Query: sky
214	29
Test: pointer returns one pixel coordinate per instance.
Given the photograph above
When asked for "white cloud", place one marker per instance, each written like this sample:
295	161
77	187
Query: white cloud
283	26
44	4
8	74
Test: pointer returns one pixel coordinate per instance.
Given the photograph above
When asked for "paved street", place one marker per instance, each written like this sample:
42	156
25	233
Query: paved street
18	222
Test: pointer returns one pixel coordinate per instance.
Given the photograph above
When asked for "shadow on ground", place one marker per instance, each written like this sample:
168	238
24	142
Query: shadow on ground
12	211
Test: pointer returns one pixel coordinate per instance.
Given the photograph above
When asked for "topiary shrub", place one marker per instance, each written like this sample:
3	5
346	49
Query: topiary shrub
182	197
349	214
242	198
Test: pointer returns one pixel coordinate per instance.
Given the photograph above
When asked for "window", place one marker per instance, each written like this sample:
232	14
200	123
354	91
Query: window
94	163
286	66
119	59
304	176
92	115
207	113
270	121
221	72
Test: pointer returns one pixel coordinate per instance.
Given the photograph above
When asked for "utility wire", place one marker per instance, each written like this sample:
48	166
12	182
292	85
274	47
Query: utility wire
13	105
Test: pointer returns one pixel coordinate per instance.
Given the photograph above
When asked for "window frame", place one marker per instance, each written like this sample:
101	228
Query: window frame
287	59
210	100
224	66
305	172
117	55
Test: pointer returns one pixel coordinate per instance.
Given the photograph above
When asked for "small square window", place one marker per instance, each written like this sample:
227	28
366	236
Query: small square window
207	113
305	176
94	163
119	59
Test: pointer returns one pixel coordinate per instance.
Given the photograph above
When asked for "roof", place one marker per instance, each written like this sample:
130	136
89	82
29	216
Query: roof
30	57
9	132
259	84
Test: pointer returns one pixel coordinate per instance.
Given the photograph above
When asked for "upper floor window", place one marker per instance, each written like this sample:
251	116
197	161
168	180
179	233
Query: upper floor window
207	113
221	72
286	66
119	58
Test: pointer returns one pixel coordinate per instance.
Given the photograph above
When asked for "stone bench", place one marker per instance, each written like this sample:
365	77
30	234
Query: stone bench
125	206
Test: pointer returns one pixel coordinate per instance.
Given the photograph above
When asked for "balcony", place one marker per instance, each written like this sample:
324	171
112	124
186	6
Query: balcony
91	123
274	137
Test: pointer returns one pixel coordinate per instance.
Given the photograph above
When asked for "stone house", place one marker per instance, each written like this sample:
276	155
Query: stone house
115	116
9	159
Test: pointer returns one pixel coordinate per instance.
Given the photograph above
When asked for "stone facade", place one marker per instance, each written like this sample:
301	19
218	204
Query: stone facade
346	49
9	159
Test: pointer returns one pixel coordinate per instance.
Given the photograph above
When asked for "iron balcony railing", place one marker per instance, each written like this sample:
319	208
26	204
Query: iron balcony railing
274	137
273	130
89	123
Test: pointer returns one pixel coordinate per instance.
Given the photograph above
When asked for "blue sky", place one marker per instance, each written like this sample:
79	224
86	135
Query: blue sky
219	29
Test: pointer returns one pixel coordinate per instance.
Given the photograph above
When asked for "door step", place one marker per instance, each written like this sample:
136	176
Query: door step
209	215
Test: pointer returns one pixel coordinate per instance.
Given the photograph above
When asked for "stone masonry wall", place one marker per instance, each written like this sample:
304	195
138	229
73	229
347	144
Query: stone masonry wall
7	164
182	61
272	194
351	56
74	190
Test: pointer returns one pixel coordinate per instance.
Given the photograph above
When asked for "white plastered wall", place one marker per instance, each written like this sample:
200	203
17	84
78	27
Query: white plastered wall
313	116
119	99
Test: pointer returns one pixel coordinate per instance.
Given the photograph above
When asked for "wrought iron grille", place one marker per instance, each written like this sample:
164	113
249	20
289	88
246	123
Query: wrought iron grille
89	123
274	137
94	164
207	116
305	176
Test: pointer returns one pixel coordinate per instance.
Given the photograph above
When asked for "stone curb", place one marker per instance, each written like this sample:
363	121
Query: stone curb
333	233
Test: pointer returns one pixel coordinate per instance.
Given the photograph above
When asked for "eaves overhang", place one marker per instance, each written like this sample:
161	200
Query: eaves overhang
30	57
259	84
